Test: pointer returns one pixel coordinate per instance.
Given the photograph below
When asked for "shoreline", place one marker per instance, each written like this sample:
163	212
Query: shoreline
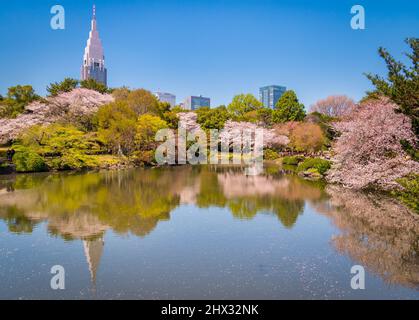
266	164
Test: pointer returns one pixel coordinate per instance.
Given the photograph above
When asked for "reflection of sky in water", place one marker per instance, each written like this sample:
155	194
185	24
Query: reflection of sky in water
198	248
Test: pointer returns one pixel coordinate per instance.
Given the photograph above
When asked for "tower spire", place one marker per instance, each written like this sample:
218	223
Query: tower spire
94	60
94	18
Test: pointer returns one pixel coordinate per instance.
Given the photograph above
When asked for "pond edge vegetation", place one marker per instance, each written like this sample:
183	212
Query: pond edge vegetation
338	140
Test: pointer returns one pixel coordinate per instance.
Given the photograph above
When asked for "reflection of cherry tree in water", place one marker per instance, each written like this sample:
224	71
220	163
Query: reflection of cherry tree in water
16	220
377	232
246	196
134	201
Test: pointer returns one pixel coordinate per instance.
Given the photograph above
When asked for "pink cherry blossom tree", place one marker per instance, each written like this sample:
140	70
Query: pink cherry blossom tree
368	152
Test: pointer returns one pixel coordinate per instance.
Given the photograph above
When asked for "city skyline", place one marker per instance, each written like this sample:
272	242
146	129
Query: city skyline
147	45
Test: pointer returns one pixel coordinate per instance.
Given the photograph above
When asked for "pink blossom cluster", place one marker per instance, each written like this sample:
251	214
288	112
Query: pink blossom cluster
234	130
368	152
270	137
79	101
187	121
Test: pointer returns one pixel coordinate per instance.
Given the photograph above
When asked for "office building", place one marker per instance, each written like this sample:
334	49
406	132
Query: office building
195	102
94	60
269	95
166	97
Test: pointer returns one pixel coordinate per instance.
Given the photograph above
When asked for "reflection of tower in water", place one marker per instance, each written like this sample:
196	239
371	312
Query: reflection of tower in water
93	251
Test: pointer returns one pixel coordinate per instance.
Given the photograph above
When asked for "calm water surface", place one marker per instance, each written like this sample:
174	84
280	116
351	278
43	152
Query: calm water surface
201	232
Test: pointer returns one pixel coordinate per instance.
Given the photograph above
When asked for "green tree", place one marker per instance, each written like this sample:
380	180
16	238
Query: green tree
94	85
66	85
142	101
147	127
264	115
69	147
26	160
164	112
212	118
242	104
121	93
117	126
288	108
22	94
17	98
402	83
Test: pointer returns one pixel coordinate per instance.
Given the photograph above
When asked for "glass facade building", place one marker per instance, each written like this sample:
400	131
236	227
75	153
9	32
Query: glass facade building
269	95
166	97
195	102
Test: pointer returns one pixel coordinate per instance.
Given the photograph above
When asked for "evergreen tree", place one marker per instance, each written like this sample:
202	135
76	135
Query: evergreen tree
66	85
288	108
94	85
402	83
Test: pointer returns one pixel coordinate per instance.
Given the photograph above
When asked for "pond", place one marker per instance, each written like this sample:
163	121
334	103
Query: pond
201	232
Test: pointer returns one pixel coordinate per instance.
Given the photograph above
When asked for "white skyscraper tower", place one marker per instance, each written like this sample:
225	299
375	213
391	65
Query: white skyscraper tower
94	60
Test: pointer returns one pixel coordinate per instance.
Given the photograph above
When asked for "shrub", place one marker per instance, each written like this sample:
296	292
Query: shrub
71	148
27	160
307	137
73	160
144	157
292	160
270	154
304	136
57	139
311	174
314	163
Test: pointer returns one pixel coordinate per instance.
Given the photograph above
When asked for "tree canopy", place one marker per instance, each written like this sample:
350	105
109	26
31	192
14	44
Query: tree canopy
147	127
18	97
244	103
142	101
334	106
117	126
66	85
212	118
94	85
288	108
402	82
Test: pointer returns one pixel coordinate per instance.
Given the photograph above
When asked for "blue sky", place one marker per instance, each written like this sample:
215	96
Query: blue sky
214	48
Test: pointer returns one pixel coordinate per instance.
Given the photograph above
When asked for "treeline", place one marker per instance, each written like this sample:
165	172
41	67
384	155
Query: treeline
126	127
19	96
